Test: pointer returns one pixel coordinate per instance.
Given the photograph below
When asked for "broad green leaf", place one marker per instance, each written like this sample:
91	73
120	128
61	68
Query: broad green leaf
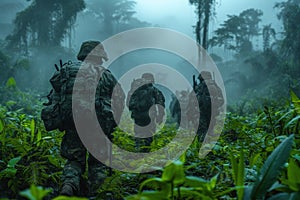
234	166
193	181
280	196
241	175
285	196
10	103
293	171
294	176
292	121
159	180
238	172
271	168
54	161
297	157
296	101
32	129
28	195
247	192
182	158
35	193
254	160
39	137
191	193
1	126
8	172
11	82
47	138
148	195
213	182
220	194
13	162
284	116
165	187
174	173
279	187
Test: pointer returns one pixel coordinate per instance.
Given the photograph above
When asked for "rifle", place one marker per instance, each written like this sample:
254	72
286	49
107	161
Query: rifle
194	82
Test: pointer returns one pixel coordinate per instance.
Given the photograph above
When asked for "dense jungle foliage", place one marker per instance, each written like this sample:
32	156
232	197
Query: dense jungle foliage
257	155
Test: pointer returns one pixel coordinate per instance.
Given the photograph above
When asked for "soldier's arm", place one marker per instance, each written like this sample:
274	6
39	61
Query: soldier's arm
159	97
118	97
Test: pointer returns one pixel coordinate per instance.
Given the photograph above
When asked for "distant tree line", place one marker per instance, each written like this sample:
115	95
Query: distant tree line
275	67
44	24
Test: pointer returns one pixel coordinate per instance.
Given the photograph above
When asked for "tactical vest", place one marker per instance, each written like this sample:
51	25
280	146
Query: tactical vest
141	97
57	113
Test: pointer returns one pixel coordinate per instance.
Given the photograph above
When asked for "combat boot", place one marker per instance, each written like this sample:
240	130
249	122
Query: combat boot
67	190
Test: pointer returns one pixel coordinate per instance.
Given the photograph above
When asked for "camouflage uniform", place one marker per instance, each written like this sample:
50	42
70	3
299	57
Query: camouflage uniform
207	92
143	90
176	106
72	148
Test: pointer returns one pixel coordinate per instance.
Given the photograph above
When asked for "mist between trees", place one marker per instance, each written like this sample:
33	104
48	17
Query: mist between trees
257	153
256	60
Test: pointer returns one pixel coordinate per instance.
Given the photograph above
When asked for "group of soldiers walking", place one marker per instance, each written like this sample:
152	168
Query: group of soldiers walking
145	102
201	111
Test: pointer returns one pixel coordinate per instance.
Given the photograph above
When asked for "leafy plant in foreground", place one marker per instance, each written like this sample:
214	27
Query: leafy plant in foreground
39	193
29	155
270	170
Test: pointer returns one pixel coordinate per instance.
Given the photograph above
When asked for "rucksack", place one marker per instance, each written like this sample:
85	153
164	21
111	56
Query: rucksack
57	113
141	97
215	93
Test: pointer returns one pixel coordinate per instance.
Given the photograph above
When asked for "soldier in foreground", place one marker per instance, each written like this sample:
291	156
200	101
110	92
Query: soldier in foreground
146	103
71	147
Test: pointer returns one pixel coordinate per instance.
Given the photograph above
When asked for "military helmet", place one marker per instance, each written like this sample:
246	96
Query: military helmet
184	93
149	77
91	48
206	75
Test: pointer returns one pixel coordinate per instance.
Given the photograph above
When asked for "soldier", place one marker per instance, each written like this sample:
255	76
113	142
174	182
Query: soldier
177	106
140	100
208	93
71	147
174	108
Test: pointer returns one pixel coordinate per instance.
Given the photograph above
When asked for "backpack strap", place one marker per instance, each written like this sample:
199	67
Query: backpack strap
49	98
65	76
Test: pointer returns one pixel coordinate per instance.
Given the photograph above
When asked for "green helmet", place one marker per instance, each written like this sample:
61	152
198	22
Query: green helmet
149	77
91	48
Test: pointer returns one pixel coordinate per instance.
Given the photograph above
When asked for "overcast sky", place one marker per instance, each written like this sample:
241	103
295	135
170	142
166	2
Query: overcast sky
179	14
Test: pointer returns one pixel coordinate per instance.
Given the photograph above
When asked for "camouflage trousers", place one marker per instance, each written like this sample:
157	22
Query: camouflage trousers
76	154
144	129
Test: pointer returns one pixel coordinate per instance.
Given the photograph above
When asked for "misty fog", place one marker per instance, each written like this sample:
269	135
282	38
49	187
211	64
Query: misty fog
91	23
221	122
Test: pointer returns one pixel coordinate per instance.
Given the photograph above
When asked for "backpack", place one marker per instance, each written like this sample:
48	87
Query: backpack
141	97
215	93
57	112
